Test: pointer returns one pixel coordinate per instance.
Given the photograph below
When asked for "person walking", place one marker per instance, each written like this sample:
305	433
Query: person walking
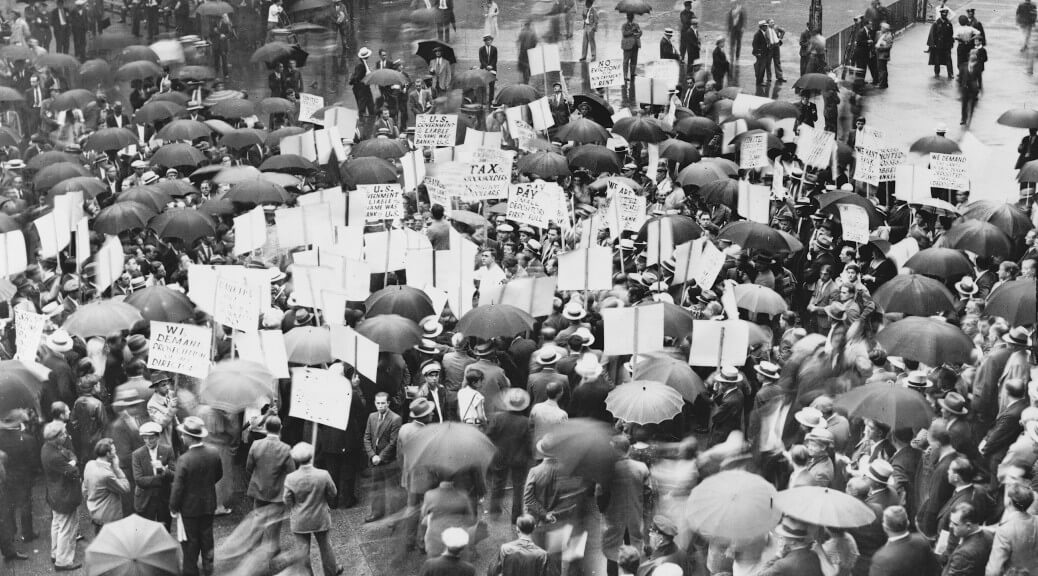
309	493
104	485
510	431
22	450
268	464
590	27
361	91
761	53
153	466
193	495
969	88
735	21
89	419
415	481
521	557
380	441
623	502
630	42
939	44
1026	14
64	494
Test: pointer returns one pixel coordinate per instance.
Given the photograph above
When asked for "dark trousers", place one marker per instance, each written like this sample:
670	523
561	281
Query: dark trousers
760	66
969	104
127	498
327	555
220	62
79	38
383	486
735	45
156	511
17	504
7	527
343	473
630	65
61	39
775	59
135	21
199	530
272	514
498	476
881	65
365	102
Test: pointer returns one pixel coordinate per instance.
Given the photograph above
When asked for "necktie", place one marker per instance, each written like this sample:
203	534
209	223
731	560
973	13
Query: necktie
38	99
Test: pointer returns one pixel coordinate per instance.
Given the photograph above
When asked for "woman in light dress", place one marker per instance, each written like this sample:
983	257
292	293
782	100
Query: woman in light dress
491	14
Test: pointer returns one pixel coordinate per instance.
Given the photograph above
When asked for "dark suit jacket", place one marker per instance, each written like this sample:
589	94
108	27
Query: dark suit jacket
670	553
151	492
488	57
559	109
970	557
447	566
380	440
111	120
510	433
934	490
976	497
884	498
667	51
802	562
194	482
1006	430
520	557
64	490
909	556
55	21
760	45
267	465
905	463
961	435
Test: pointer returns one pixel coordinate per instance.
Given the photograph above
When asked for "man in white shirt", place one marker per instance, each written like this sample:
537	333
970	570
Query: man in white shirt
274	14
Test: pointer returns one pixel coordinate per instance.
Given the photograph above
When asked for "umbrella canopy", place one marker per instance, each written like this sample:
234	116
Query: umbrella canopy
914	295
734	506
449	447
271	52
723	166
677	322
309	345
133	546
401	300
123	216
45	159
927	340
777	110
17	387
9	138
57	61
824	507
944	263
157	111
258	192
385	77
516	95
176	188
8	94
594	107
385	148
162	304
495	320
187	224
594	158
757	236
581	447
1019	118
217	207
544	164
243	138
830	201
86	184
14	52
138	52
582	131
640	129
178	98
233	385
289	163
678	375
696	128
470	218
151	196
935	206
472	79
889	403
54	174
1014	301
178	155
426	51
724	191
683	228
214	8
233	109
108	139
1028	172
981	238
644	402
367	170
759	299
273	105
273	139
184	130
75	98
138	70
700	174
391	332
1006	217
235	175
679	151
634	7
101	319
935	143
815	81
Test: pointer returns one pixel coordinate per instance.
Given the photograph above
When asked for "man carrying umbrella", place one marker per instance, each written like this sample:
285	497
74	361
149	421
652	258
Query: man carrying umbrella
630	43
441	71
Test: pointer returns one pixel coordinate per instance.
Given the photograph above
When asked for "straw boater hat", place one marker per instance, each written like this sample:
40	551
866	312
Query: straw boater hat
917	379
879	471
430	366
431	327
588	366
59	341
810	417
820	435
483	349
792	529
547	357
729	375
574	311
768	370
150	429
127	396
966	286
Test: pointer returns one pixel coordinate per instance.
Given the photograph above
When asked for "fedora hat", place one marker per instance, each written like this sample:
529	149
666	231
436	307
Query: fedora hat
917	379
728	374
193	426
127	396
954	402
966	286
810	417
879	471
574	311
792	529
421	407
364	53
768	370
820	435
1017	336
483	349
59	341
515	399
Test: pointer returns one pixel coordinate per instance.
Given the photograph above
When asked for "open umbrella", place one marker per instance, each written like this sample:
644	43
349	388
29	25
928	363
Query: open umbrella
57	61
108	139
193	72
981	238
214	8
544	164
719	192
472	79
138	70
187	224
426	48
45	159
696	128
700	174
162	304
927	340
830	202
274	138
367	170
122	216
401	300
677	322
682	228
151	196
944	263
935	206
309	345
733	506
385	148
1028	172
233	385
385	77
594	107
9	138
644	402
137	52
14	52
157	111
133	546
289	163
233	109
634	7
303	5
582	131
17	387
678	375
581	447
75	98
449	447
494	321
101	318
595	158
176	188
640	129
824	507
235	175
935	143
8	94
1006	217
54	174
516	95
89	185
177	155
759	299
914	295
815	81
679	151
722	165
391	332
1019	118
273	105
258	192
889	403
243	138
272	52
777	110
757	236
1014	301
178	98
470	218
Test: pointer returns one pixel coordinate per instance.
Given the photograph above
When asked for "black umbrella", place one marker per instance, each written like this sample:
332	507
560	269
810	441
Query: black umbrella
426	48
594	158
515	95
593	107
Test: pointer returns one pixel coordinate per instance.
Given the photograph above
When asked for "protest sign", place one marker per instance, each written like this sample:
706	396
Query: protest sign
237	304
382	201
586	269
719	343
110	260
477	139
912	183
12	254
438	194
487	181
309	281
355	349
413	164
869	138
902	251
949	171
28	329
753	151
525	204
660	240
544	58
868	166
385	251
53	232
250	231
890	158
321	396
436	130
203	279
266	347
540	114
698	260
635	330
754	202
814	147
606	73
665	72
343	119
652	90
532	295
626	209
308	104
855	223
180	348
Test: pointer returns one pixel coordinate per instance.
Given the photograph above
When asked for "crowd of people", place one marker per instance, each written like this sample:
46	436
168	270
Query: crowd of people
893	378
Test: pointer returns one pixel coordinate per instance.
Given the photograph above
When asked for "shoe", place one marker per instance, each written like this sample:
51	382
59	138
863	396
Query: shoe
371	518
68	568
222	511
583	59
16	556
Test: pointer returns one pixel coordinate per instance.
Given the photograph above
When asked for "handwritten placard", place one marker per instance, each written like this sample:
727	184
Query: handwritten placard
180	348
28	329
383	201
855	223
321	396
753	151
890	158
237	305
698	261
436	130
486	181
867	168
719	343
308	105
438	194
814	147
626	209
606	73
949	171
525	204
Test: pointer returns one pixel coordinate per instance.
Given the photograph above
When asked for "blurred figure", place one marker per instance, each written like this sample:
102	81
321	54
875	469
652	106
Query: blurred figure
268	464
64	494
309	495
153	466
450	563
521	557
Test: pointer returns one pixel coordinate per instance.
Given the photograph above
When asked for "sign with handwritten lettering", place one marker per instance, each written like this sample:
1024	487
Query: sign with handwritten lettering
382	201
525	204
180	348
949	171
436	130
606	73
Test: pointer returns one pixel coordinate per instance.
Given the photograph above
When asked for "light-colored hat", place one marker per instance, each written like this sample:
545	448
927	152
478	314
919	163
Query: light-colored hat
668	569
455	538
364	53
588	366
15	164
139	164
791	528
585	335
515	399
52	308
954	402
127	396
193	426
917	379
668	31
150	428
546	446
574	311
728	374
149	177
768	370
430	367
421	407
483	349
272	318
59	341
547	356
1018	336
431	327
820	435
879	471
810	417
53	429
966	286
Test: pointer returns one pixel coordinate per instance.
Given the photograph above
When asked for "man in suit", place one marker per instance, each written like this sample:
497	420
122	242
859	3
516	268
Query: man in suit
932	484
970	557
414	481
193	496
630	42
60	19
309	493
80	23
961	474
380	440
953	411
686	16
590	27
775	36
488	62
905	463
796	557
761	53
510	431
1028	148
905	553
64	494
623	501
1015	546
34	98
559	106
115	117
878	476
1007	426
441	70
667	50
361	91
729	401
450	563
267	465
521	557
153	466
22	449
